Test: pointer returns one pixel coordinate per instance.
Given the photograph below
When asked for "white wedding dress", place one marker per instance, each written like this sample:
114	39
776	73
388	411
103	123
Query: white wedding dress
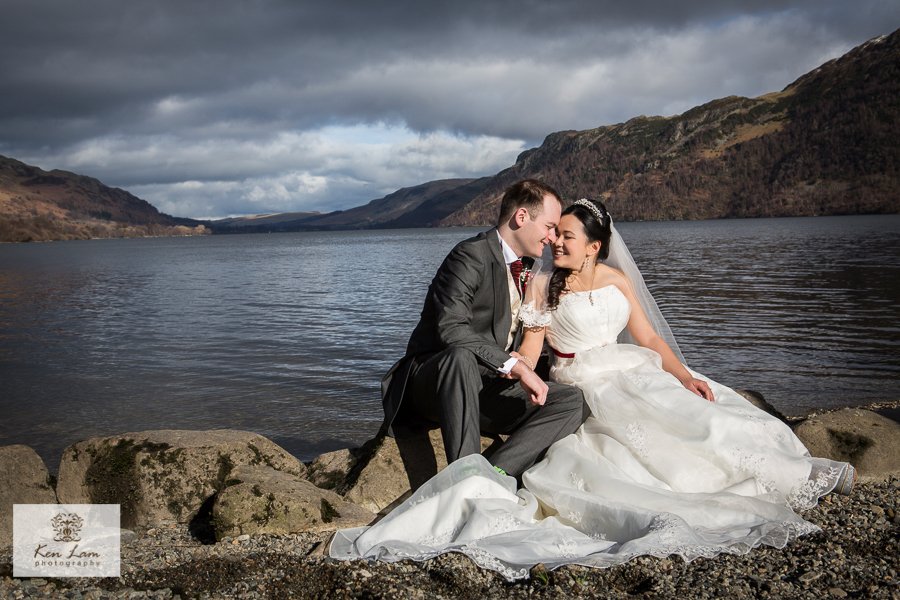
656	470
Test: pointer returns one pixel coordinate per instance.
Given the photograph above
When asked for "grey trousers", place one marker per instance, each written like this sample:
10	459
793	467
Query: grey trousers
467	398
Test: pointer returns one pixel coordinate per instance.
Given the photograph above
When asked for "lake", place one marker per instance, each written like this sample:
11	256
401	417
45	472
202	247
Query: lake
289	334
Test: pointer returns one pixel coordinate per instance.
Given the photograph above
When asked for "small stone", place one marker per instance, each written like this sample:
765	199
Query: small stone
837	592
242	538
809	576
876	510
126	536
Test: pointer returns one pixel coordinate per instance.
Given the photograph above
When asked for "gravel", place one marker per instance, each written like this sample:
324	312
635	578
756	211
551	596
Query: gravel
857	555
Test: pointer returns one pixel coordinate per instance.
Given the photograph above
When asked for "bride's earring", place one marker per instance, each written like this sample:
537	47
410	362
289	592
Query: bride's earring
590	258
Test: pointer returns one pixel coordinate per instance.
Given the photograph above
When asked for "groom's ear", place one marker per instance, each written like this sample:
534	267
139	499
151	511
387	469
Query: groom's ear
521	216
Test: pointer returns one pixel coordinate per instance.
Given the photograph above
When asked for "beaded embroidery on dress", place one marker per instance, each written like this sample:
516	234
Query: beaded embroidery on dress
655	471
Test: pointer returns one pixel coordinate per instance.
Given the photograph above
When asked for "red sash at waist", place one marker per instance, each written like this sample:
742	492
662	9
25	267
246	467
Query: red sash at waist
562	354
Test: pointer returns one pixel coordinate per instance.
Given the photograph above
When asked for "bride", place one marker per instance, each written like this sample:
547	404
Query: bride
670	462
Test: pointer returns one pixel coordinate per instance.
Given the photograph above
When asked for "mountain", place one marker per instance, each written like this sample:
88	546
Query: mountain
37	205
423	205
826	144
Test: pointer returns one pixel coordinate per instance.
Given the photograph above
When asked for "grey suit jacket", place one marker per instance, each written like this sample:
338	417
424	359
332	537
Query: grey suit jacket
467	305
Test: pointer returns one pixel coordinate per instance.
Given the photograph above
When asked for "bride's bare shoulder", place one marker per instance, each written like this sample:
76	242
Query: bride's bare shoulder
612	275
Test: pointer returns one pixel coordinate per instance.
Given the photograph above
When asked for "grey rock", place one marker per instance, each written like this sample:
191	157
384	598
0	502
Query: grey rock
867	440
164	476
757	400
23	480
274	502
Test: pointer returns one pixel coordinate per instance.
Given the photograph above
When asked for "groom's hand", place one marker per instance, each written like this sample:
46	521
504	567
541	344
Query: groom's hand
530	382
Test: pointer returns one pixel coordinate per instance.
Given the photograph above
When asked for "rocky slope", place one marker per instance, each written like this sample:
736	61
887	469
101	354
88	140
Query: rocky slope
826	144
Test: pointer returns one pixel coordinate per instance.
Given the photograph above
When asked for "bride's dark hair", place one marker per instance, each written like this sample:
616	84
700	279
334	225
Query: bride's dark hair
598	227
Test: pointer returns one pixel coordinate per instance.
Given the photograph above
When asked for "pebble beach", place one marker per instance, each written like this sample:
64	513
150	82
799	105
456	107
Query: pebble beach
856	555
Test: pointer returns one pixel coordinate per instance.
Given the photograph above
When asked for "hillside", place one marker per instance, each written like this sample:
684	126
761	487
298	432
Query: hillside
37	205
826	144
259	223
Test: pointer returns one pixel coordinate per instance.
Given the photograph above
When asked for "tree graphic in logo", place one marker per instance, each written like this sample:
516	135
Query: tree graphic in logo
67	527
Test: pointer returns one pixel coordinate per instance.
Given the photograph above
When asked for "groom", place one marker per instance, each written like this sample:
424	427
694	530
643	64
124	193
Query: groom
460	369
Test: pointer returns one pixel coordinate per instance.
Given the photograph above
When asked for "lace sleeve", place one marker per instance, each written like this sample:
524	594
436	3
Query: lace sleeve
533	312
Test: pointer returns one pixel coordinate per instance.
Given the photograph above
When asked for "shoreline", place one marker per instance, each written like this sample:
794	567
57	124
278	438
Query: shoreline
855	554
889	409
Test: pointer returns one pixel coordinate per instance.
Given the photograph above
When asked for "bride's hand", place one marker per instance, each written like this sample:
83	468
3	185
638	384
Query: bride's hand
535	387
530	382
699	387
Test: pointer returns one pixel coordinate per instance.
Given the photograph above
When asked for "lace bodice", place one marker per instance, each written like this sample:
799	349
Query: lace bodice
577	325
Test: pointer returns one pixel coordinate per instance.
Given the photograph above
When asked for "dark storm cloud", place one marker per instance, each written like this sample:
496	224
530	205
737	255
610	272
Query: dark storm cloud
237	93
92	66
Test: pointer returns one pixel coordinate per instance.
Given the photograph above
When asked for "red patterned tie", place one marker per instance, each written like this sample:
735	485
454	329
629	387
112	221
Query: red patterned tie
520	275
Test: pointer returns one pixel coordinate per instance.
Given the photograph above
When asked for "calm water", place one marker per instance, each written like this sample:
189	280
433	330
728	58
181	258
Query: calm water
288	334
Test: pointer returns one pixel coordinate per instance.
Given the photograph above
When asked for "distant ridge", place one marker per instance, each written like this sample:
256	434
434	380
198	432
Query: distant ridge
423	205
38	205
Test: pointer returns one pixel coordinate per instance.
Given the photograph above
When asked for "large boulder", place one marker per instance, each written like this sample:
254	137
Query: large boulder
270	501
23	480
867	440
163	476
385	470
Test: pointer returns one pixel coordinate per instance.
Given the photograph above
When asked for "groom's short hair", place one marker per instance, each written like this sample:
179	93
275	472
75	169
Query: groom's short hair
528	193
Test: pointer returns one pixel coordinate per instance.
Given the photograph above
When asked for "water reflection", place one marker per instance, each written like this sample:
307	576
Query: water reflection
802	309
289	334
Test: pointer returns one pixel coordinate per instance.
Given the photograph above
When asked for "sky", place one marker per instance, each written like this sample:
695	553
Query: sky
214	108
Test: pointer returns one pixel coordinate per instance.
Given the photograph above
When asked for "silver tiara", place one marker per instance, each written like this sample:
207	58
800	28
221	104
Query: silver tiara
591	207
